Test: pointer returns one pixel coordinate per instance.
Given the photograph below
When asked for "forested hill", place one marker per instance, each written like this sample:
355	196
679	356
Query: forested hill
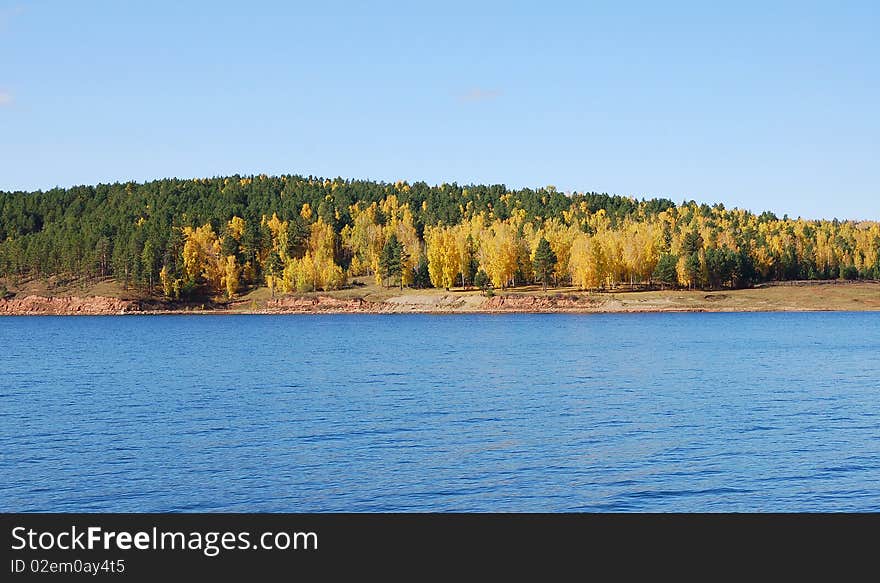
224	235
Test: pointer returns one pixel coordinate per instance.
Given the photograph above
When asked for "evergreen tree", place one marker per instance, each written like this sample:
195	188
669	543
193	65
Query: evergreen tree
149	257
297	236
481	280
393	259
470	265
544	262
666	272
421	275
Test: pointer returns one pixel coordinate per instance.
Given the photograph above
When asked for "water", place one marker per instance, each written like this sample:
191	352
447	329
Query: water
630	412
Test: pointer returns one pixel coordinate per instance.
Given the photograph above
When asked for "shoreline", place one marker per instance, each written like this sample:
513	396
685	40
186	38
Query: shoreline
599	312
147	313
804	297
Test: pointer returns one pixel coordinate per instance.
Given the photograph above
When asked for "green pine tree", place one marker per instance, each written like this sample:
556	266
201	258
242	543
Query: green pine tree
393	259
544	262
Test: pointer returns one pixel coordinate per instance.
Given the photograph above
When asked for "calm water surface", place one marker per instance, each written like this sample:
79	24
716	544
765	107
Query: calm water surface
630	412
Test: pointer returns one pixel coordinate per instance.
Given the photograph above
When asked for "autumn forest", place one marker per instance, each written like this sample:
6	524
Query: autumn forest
221	236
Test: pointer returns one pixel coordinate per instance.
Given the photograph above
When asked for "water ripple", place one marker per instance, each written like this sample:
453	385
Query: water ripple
662	412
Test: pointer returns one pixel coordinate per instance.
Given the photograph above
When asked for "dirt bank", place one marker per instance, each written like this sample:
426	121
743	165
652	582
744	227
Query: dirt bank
321	304
523	303
436	304
861	296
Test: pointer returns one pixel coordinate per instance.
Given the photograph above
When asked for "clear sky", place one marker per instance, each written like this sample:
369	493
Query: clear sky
761	105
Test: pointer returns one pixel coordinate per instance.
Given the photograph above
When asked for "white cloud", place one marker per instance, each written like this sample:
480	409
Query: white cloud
5	98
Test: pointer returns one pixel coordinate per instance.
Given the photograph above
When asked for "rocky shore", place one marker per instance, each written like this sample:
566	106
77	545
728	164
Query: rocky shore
63	306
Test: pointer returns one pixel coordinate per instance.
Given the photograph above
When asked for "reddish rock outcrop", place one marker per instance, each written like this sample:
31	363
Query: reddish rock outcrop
66	306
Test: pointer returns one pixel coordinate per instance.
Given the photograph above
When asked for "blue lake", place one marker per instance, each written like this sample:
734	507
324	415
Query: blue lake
629	412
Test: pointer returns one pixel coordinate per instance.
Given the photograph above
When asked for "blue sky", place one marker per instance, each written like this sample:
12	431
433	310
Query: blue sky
760	105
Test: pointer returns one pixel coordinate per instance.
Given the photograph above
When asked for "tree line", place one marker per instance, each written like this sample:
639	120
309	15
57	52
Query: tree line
181	238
